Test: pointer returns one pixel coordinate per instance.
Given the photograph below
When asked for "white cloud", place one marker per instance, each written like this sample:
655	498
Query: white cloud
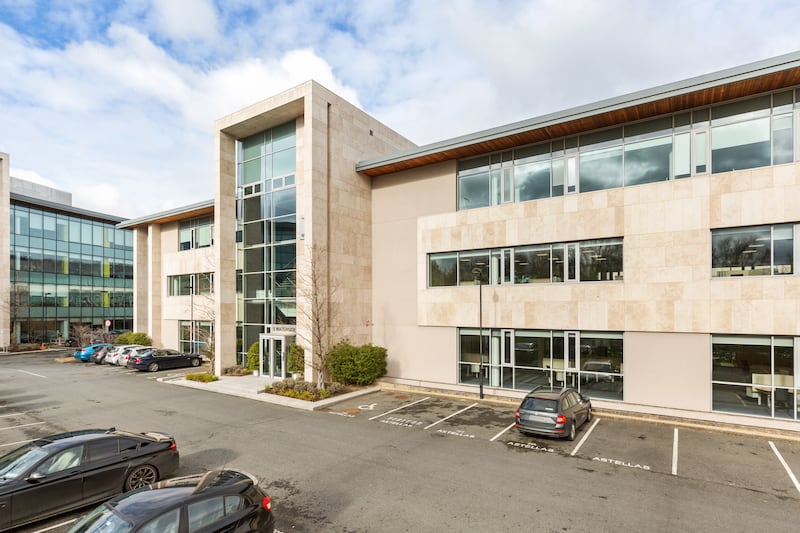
185	20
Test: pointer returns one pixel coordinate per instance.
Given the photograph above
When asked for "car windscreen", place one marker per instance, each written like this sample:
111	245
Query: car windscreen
102	520
15	464
540	404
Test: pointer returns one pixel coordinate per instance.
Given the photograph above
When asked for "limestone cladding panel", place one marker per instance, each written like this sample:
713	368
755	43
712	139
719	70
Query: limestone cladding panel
667	257
224	251
141	290
341	135
154	283
5	250
668	370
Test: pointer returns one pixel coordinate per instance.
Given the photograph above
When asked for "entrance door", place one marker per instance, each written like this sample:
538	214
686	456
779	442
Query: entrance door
273	356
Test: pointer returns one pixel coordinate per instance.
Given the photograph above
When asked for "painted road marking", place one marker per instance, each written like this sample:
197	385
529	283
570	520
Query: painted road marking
402	422
456	433
675	453
619	462
529	446
785	466
22	426
32	374
18	442
370	407
68	522
586	436
401	407
451	416
498	435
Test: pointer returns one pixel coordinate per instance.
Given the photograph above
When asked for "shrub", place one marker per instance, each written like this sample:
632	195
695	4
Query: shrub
335	387
236	371
205	377
252	356
133	337
356	365
297	361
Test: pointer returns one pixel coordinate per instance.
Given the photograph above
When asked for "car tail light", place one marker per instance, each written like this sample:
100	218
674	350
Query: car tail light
267	504
174	446
561	419
137	360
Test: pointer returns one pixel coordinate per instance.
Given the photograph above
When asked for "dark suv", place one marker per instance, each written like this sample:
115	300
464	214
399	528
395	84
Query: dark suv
553	412
219	501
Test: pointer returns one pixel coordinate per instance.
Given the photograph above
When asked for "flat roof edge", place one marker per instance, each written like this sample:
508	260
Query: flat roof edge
55	206
129	223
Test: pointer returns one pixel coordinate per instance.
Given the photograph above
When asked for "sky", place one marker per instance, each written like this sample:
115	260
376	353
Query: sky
114	101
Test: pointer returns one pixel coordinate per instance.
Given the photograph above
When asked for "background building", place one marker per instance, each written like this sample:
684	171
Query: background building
174	276
64	266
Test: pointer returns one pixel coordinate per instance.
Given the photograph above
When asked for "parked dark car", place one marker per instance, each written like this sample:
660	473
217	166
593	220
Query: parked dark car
85	353
72	343
98	356
158	359
215	502
553	412
67	471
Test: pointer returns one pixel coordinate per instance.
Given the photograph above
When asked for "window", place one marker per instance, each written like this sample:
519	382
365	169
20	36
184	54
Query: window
196	233
750	133
754	375
597	260
589	361
187	284
103	449
205	513
69	458
168	522
752	251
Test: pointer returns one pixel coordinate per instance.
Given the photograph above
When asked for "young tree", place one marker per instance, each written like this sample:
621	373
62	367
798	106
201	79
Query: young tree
317	306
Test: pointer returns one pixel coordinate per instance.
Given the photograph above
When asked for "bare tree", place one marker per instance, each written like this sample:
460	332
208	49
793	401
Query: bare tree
317	305
204	309
83	333
13	303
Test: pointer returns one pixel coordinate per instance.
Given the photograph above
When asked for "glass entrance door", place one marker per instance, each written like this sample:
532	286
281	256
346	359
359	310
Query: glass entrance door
273	356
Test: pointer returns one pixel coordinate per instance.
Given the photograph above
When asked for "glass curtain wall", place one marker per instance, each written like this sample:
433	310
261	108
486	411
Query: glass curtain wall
67	271
267	218
749	133
590	361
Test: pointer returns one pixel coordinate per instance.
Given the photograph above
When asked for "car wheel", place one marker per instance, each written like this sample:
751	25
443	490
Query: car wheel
195	362
141	476
571	435
152	367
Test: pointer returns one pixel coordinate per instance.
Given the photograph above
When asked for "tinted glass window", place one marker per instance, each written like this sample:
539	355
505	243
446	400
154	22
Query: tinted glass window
232	504
69	458
540	404
166	523
127	445
103	449
205	513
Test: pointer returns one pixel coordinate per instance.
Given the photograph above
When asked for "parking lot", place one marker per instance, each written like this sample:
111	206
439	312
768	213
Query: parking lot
767	464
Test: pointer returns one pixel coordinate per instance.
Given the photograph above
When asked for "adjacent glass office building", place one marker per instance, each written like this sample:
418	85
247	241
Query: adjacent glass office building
68	267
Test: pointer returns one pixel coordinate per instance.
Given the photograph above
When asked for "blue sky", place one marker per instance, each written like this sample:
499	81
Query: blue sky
115	101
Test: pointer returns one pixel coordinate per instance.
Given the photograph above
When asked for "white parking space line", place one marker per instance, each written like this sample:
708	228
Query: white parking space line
12	414
68	522
785	466
401	407
585	436
22	426
32	374
451	416
675	453
16	443
498	435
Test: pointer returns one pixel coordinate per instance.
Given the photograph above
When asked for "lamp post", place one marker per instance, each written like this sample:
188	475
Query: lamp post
44	309
478	273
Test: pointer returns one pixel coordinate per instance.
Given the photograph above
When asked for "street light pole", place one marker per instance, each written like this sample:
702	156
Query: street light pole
44	309
479	281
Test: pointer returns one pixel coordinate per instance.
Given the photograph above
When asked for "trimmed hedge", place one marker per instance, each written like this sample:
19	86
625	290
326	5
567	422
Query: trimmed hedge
356	365
204	377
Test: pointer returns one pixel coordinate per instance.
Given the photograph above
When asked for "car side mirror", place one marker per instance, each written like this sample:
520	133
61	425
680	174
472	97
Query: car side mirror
35	477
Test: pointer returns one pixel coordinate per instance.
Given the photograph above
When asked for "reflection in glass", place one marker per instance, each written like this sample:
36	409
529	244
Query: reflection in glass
648	161
740	146
741	252
442	270
601	169
532	181
473	191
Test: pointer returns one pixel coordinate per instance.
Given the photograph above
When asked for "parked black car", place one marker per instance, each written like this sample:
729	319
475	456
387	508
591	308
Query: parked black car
553	412
158	359
67	471
215	502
